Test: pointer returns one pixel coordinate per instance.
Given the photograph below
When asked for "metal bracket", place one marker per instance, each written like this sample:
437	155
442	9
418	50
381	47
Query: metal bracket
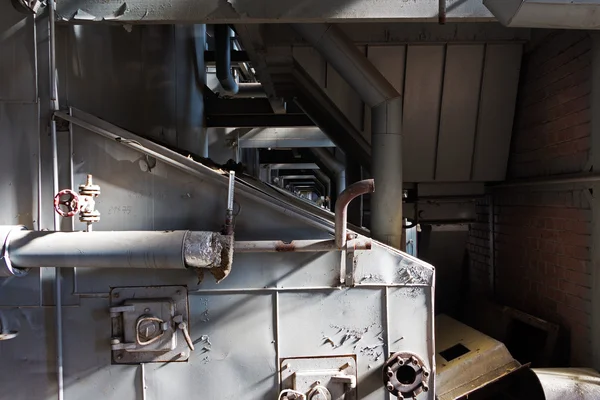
331	377
147	322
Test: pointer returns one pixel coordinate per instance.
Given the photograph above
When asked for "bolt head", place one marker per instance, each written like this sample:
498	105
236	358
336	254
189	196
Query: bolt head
389	372
115	340
390	386
425	387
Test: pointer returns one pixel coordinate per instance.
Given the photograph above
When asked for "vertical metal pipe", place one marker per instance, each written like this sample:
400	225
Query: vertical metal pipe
442	12
223	55
54	143
341	208
354	174
386	124
71	165
386	204
143	376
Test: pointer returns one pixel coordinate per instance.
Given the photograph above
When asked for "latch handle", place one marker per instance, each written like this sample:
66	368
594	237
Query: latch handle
186	334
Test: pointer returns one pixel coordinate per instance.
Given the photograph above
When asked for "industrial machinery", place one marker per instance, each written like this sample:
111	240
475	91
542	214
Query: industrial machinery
242	208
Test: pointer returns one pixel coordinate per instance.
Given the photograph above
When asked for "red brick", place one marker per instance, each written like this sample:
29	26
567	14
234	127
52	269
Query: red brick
573	264
573	315
579	252
577	303
579	278
575	290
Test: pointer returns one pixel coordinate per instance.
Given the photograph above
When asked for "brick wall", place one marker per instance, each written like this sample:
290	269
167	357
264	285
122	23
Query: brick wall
542	234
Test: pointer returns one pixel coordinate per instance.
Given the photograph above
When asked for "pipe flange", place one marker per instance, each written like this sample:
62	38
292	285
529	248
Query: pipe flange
6	267
405	375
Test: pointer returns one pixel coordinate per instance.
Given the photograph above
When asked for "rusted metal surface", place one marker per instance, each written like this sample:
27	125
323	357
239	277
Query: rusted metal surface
71	202
341	208
271	246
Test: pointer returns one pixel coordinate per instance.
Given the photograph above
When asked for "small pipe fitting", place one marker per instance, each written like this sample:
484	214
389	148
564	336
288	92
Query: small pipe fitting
341	208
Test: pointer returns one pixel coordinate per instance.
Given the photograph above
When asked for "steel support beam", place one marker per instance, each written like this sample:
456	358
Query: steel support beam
264	11
285	138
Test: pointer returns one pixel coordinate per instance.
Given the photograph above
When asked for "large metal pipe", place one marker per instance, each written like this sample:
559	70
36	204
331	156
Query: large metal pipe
341	208
223	57
121	249
386	124
334	165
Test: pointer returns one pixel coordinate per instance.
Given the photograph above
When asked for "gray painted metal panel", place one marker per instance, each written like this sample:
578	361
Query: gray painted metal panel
252	11
422	91
19	188
27	359
128	78
458	116
496	111
18	56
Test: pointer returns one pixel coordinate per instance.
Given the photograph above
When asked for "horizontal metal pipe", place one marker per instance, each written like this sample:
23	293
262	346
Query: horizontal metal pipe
122	249
39	249
278	246
341	208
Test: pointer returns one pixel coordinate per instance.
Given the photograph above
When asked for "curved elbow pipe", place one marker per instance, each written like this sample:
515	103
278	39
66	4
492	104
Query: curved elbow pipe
341	208
223	57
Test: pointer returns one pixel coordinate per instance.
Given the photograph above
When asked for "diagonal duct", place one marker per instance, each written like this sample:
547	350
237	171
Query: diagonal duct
386	124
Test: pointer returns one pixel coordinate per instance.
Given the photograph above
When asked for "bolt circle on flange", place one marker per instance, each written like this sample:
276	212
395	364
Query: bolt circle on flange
405	375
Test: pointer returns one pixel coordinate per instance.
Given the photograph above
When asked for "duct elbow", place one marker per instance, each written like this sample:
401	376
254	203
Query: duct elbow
223	55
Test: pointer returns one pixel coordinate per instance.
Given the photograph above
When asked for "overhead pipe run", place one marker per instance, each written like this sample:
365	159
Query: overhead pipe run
23	249
386	124
223	57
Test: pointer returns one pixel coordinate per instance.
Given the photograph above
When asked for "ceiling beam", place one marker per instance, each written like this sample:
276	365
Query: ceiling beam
265	11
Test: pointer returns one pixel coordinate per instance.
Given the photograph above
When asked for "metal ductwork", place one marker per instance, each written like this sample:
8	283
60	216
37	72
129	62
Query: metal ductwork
552	14
334	165
386	124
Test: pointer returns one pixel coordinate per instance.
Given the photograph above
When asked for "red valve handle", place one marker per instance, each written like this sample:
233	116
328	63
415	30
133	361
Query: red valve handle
72	203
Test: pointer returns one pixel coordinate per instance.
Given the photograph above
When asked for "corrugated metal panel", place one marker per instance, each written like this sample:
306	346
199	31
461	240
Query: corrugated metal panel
458	117
496	111
422	91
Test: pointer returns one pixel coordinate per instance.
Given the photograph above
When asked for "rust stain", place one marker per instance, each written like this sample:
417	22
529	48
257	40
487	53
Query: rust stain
285	247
